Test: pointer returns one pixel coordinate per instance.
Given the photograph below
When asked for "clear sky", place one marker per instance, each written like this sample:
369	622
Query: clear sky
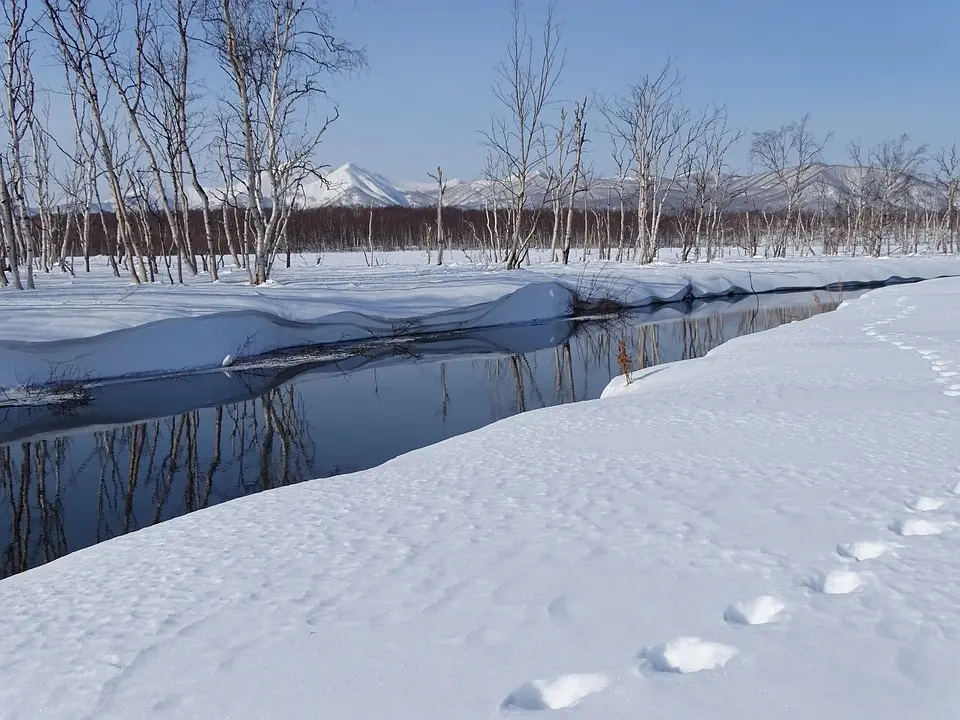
864	68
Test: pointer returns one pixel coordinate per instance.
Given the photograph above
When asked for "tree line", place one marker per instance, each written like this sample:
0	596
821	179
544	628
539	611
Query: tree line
192	128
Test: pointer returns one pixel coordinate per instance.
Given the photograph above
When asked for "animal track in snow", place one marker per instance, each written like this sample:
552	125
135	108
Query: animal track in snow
558	609
688	655
759	611
925	504
864	549
916	526
838	582
562	692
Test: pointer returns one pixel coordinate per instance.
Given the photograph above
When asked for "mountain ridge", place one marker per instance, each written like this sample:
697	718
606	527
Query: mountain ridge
353	186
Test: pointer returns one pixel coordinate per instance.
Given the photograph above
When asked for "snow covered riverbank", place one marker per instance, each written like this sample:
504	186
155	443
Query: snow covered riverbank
770	531
100	327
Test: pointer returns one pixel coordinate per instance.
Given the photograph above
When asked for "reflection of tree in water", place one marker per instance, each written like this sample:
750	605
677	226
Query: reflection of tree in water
150	471
515	386
30	483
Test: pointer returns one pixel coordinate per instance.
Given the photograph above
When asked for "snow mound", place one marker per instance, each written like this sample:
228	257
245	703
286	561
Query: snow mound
759	611
688	655
864	549
916	527
563	692
925	504
99	328
838	582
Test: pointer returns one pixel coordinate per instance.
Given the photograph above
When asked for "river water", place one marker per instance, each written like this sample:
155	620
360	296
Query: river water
143	452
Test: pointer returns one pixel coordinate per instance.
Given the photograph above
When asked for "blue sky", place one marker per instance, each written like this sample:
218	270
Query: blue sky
863	68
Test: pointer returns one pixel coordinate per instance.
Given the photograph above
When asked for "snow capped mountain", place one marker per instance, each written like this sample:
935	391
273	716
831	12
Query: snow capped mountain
353	186
825	186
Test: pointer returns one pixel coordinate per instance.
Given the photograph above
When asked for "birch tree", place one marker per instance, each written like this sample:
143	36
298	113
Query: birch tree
79	37
895	166
441	191
18	116
277	55
579	139
658	129
791	154
946	174
517	140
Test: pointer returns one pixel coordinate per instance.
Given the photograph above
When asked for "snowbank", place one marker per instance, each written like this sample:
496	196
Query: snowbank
99	327
769	531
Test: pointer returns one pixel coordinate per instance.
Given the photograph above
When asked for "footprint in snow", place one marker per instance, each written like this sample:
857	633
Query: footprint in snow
925	504
837	582
688	655
916	527
759	611
562	692
558	609
864	549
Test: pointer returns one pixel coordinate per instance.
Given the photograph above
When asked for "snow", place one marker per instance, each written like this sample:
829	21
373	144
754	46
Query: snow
838	582
688	655
925	504
864	549
560	560
759	611
916	526
101	327
563	692
354	186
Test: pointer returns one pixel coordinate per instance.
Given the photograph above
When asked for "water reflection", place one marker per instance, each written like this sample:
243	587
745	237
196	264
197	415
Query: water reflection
141	453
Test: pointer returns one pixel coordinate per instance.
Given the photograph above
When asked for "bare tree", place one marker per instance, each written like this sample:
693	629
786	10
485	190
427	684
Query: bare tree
79	37
947	177
791	154
558	170
623	162
516	141
579	139
441	191
894	170
17	115
658	131
276	54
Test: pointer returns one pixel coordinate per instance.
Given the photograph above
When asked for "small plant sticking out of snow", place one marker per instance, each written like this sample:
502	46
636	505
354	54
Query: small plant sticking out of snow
63	389
624	360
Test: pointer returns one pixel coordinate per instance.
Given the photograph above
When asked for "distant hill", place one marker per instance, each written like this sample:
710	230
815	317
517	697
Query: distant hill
354	186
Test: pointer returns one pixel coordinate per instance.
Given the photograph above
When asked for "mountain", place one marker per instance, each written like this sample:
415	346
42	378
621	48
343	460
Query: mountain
353	186
826	186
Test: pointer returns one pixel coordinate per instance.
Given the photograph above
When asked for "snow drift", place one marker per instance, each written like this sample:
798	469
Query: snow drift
99	328
581	559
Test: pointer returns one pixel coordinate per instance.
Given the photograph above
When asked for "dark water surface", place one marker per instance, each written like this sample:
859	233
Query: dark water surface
143	452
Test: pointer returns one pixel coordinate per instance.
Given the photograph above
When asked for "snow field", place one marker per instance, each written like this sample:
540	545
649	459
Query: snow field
99	327
713	540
